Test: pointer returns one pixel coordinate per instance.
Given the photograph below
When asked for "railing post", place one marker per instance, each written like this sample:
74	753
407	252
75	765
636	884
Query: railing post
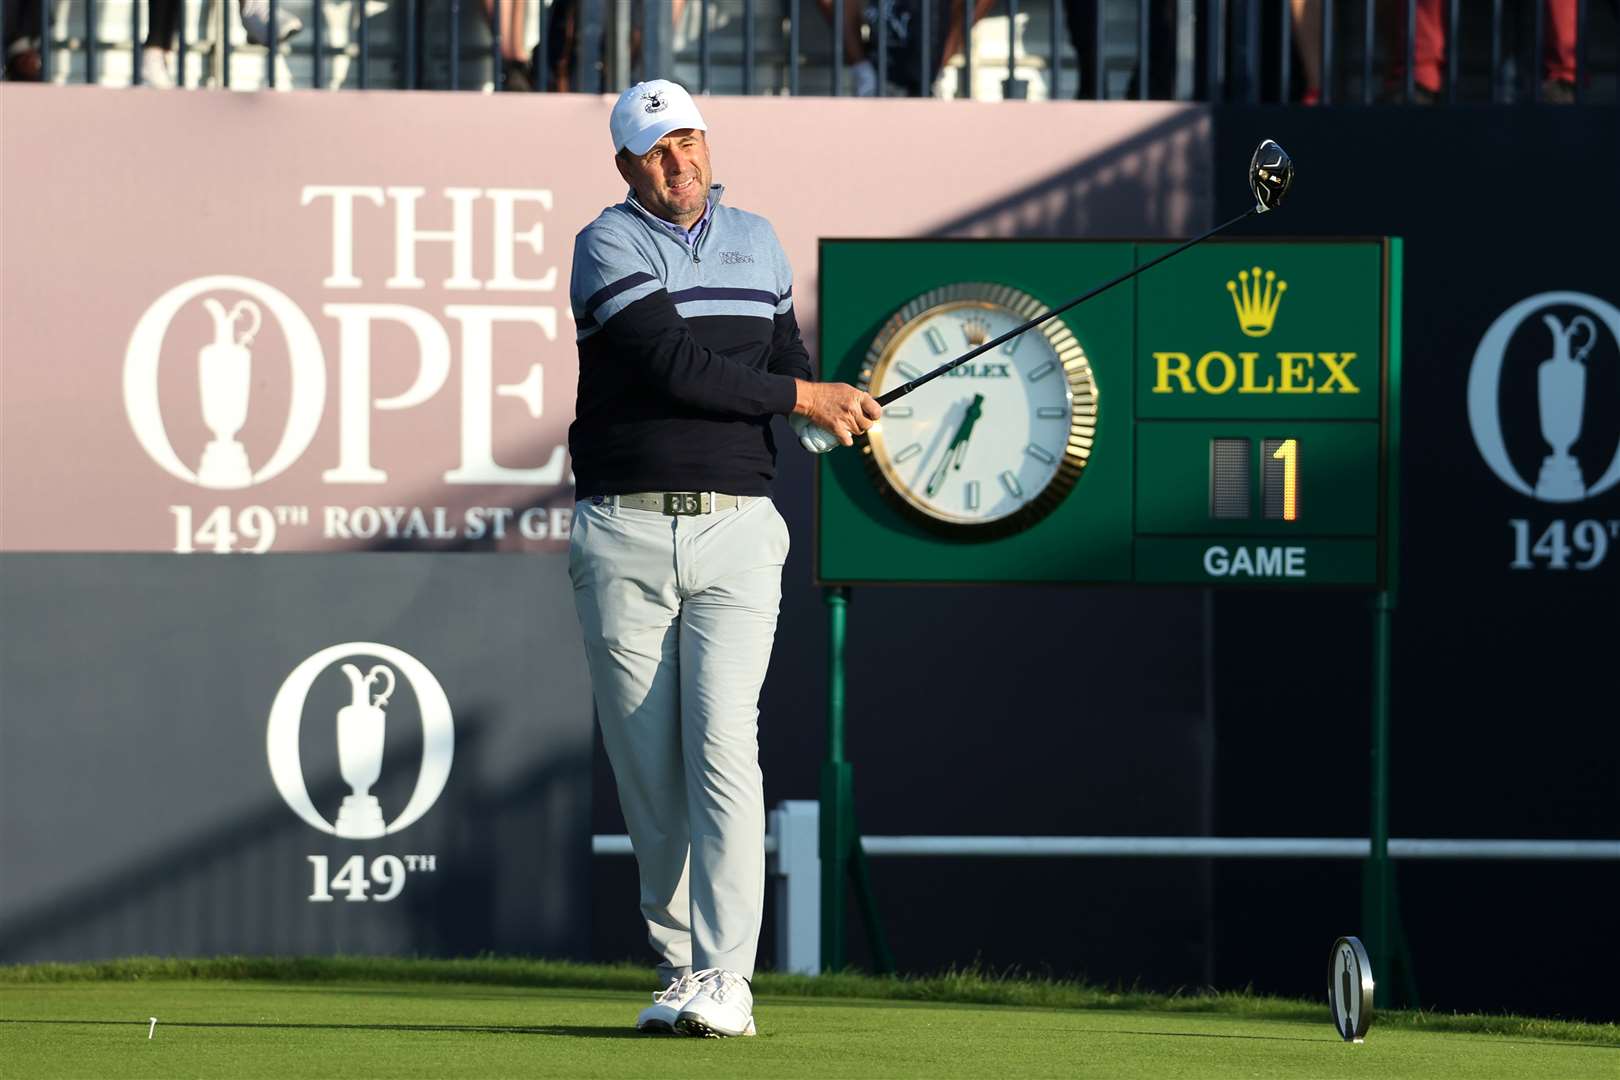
793	47
1014	89
589	34
748	47
967	49
1142	49
89	42
796	824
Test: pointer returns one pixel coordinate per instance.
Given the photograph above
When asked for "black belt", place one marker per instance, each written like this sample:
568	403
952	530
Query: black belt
677	503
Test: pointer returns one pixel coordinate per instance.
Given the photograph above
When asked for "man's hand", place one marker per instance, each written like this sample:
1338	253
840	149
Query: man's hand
838	408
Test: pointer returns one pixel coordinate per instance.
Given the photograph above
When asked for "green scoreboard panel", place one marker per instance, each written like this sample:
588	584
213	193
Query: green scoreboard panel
1225	418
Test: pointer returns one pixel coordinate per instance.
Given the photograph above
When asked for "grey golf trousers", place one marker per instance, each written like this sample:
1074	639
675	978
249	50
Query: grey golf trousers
679	614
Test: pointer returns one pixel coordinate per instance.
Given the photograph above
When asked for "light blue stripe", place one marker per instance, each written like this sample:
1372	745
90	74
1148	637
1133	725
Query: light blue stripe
750	308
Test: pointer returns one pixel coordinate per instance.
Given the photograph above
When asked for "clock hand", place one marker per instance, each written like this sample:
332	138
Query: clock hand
971	418
958	446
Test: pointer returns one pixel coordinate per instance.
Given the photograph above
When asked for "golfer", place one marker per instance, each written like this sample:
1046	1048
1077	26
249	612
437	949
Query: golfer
688	346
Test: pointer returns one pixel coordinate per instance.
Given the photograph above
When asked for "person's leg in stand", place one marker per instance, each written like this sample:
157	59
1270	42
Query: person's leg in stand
157	56
954	41
559	46
509	17
1428	51
1308	39
1080	19
23	60
1558	86
861	69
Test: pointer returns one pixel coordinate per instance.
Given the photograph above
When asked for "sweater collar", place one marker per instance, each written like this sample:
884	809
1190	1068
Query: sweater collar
690	236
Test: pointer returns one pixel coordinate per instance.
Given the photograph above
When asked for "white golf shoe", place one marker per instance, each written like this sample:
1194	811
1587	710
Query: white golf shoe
723	1005
659	1017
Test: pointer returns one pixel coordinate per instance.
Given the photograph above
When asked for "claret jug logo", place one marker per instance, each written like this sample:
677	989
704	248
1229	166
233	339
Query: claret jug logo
1542	396
1257	296
360	728
225	379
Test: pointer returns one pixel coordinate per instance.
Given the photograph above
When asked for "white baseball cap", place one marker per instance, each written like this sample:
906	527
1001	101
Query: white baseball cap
650	110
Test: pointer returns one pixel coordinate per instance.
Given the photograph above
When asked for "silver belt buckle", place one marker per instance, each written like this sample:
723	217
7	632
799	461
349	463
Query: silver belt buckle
684	503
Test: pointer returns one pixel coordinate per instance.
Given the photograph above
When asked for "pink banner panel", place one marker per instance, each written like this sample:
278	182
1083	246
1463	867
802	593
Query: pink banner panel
303	321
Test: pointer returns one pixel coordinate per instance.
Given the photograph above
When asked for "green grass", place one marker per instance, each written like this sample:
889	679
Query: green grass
355	1017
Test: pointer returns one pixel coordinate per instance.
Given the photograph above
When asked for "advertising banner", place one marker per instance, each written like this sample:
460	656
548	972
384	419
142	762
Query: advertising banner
298	755
267	323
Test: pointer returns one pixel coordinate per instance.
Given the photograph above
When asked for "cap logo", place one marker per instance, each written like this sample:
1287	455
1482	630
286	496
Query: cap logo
655	101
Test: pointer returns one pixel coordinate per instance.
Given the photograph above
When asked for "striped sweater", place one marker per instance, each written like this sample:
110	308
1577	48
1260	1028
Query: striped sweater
685	353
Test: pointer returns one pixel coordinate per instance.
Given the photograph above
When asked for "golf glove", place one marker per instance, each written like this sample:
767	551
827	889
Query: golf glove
816	439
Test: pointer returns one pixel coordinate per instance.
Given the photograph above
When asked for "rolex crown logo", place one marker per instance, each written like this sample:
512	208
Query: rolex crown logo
1256	301
976	330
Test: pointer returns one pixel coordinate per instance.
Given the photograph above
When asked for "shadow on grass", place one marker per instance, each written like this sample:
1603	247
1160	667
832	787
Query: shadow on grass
578	1031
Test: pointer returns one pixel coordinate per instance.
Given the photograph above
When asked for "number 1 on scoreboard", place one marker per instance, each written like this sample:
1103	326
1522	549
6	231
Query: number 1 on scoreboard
1280	478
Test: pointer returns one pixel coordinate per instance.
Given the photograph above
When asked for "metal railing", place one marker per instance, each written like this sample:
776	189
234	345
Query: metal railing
1329	51
792	847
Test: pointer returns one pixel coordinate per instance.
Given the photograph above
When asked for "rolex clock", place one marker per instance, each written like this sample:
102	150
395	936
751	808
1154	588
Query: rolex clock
994	445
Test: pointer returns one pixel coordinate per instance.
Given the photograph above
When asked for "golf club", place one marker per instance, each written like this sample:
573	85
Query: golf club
1271	171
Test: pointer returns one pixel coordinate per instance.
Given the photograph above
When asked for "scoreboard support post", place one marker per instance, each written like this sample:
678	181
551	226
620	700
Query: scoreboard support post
843	860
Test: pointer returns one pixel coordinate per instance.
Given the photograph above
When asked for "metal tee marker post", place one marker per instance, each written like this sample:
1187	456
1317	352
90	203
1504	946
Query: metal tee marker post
1350	989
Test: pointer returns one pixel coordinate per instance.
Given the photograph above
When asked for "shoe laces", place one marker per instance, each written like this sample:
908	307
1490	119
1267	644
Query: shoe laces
680	988
720	982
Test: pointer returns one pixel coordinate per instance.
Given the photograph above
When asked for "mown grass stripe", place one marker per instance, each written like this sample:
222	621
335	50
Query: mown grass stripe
970	986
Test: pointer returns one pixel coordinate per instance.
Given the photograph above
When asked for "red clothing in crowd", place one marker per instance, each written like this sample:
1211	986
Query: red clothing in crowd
1429	50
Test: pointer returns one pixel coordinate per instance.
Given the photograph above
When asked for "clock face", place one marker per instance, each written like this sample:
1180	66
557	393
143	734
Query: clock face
994	445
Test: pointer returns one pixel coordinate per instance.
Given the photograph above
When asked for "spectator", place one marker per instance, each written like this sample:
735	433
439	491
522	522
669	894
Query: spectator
1081	18
163	20
560	41
1308	44
955	39
1429	51
22	48
509	19
860	65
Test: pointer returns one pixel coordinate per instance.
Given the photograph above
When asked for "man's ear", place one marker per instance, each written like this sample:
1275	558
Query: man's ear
623	166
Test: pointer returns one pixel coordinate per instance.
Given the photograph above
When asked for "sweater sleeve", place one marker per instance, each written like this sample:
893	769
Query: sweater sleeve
788	354
615	293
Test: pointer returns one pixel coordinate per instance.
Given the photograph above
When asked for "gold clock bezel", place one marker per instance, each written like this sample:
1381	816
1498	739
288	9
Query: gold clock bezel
1082	395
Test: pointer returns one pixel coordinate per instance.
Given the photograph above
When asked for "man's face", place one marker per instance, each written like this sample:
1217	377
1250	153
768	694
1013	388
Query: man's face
671	179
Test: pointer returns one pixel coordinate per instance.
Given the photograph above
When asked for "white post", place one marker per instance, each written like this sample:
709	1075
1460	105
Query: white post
795	824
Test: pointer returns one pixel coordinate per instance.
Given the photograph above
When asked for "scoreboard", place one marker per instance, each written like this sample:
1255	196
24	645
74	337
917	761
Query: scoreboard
1227	418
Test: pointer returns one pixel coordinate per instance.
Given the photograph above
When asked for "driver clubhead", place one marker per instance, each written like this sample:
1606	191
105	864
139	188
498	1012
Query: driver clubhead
1271	172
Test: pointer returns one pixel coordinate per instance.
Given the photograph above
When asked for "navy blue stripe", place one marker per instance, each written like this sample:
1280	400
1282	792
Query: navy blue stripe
608	292
702	293
785	295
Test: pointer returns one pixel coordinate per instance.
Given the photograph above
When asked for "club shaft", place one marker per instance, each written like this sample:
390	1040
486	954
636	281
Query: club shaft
901	391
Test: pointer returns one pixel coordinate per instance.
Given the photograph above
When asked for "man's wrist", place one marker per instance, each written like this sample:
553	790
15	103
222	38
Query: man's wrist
804	393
